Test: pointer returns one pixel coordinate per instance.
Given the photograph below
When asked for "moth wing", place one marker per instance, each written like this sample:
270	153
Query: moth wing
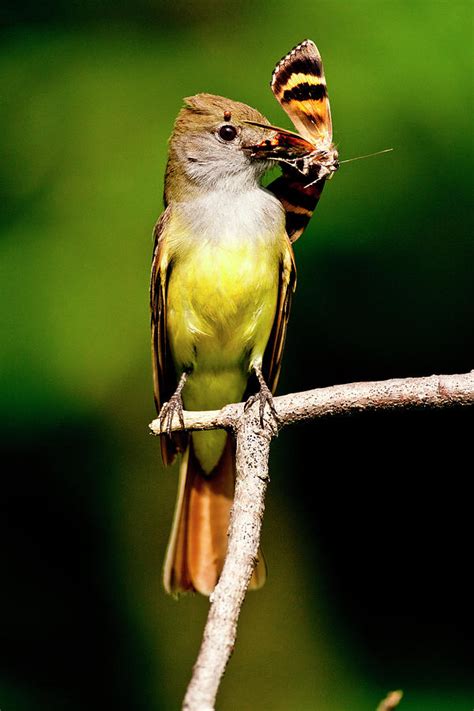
298	199
299	84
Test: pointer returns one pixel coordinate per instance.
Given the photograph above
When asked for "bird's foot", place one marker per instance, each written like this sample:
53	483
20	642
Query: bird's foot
173	407
263	397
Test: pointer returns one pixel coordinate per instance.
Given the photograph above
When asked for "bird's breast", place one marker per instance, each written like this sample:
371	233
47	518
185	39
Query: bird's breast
223	287
219	297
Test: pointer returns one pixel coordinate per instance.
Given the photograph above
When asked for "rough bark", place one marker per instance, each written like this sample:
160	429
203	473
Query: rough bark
253	444
434	391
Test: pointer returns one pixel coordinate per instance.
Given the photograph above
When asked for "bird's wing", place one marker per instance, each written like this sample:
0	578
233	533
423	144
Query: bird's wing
274	350
164	374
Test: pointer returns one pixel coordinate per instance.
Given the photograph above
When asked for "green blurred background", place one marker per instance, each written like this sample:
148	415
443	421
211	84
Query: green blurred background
368	532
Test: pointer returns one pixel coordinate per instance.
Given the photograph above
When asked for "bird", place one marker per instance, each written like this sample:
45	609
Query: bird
223	274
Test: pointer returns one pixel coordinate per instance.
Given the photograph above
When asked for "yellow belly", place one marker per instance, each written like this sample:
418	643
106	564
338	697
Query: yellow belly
221	302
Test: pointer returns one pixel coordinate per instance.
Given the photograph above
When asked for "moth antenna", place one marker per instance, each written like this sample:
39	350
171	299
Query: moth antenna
369	155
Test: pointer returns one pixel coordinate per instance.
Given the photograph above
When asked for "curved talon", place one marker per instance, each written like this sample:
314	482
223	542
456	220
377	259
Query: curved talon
167	413
264	397
172	406
162	416
251	400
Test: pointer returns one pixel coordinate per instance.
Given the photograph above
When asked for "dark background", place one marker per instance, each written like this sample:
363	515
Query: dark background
368	530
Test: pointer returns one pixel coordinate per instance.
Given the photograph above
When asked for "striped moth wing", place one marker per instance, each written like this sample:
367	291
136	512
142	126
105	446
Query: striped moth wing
299	84
307	158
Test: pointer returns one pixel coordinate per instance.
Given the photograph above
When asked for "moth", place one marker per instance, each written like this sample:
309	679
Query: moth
299	84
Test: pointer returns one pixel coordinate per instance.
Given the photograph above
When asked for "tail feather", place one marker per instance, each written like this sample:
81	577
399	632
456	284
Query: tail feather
175	566
198	542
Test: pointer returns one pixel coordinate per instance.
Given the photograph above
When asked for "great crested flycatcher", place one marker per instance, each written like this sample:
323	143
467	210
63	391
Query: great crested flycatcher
222	278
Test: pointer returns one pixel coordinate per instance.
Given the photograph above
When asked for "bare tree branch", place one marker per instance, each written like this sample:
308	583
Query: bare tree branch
253	444
437	391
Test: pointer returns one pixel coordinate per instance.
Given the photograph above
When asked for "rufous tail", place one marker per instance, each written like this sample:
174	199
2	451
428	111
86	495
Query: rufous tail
198	540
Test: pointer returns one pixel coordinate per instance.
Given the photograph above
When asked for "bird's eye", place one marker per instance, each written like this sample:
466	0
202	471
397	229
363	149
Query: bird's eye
227	132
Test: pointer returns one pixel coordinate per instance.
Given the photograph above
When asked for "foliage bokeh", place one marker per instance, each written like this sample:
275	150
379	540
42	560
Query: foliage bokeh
366	533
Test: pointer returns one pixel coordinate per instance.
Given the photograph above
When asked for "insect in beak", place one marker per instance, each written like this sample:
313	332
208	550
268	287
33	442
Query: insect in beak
283	145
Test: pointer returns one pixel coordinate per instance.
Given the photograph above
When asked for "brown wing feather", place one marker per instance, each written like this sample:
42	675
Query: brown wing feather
164	374
274	350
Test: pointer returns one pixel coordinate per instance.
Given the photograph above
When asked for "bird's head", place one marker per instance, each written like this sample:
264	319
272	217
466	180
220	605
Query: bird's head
210	147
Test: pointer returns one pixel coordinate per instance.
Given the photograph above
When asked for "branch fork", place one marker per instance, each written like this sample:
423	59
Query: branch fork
253	446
